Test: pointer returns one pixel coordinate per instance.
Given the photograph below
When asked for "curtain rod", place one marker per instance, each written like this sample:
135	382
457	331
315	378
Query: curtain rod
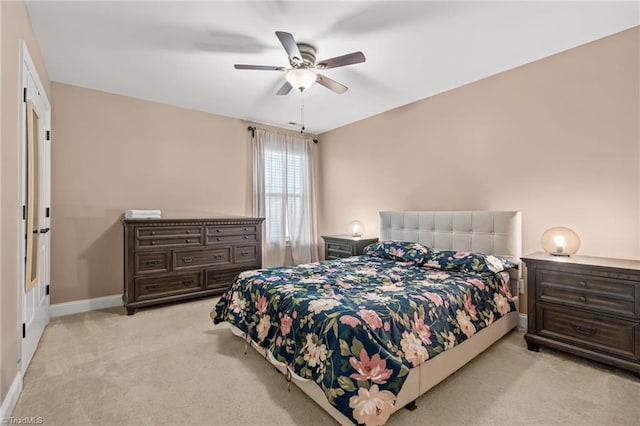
252	129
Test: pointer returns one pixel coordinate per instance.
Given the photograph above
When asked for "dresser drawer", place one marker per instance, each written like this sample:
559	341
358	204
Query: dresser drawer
231	230
168	241
599	294
245	253
184	259
152	262
174	231
595	332
227	239
154	287
222	278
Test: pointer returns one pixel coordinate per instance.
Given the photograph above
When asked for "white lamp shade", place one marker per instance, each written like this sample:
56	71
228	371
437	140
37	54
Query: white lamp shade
560	241
301	78
356	228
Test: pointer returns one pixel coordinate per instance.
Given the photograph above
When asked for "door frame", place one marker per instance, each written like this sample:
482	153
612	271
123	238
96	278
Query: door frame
27	67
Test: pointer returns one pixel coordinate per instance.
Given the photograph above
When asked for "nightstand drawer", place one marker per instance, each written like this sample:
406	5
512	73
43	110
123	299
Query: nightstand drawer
599	294
599	333
339	248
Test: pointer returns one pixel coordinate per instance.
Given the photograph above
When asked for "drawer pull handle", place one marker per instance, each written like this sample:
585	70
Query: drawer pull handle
217	230
218	256
187	282
584	330
244	229
218	239
153	232
583	284
245	253
188	232
187	259
153	243
152	286
583	299
152	262
245	237
186	241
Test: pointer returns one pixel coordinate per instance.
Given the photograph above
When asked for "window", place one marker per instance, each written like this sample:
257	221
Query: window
283	195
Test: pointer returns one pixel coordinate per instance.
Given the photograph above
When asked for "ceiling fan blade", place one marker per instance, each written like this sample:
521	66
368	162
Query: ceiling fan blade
258	67
331	84
289	44
285	89
341	61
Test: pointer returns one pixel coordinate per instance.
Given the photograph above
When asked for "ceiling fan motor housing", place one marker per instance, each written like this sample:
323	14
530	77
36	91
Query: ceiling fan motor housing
308	53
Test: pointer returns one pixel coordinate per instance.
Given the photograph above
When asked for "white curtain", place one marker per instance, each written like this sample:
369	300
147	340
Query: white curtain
284	193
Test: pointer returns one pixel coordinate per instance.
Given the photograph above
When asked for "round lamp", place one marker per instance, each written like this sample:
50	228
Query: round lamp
301	78
356	228
560	241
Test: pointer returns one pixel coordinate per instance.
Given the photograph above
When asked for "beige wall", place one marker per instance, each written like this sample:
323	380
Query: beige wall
111	153
15	27
557	139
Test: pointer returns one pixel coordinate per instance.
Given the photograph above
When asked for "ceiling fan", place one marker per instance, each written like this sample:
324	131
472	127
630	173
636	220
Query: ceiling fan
302	58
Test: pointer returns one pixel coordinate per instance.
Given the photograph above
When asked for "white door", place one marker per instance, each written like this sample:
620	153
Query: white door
36	178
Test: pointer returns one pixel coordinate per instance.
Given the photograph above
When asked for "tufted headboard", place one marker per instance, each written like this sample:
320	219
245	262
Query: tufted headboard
490	232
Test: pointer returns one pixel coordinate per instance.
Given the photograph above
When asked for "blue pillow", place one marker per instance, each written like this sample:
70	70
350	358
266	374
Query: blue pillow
402	251
477	263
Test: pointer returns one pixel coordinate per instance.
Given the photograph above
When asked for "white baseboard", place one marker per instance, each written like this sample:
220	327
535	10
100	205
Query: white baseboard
10	401
522	321
77	306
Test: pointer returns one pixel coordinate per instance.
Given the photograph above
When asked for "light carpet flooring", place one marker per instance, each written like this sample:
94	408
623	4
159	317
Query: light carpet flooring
170	365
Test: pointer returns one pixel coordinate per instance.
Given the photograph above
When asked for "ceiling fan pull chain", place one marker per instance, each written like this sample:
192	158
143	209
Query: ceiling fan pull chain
302	111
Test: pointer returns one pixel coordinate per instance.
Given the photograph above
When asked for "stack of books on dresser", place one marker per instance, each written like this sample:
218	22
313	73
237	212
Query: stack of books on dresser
142	214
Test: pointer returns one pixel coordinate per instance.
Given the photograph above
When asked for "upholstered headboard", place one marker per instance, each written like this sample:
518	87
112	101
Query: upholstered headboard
490	232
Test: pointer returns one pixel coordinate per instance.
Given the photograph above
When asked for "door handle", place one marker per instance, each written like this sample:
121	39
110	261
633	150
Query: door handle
45	230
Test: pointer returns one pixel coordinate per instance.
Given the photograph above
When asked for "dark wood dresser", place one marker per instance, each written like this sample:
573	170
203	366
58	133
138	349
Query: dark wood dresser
341	246
174	259
588	306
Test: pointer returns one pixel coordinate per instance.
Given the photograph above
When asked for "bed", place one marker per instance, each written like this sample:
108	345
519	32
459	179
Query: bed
367	335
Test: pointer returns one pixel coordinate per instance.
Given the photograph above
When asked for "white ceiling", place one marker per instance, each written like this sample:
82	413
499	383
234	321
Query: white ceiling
182	53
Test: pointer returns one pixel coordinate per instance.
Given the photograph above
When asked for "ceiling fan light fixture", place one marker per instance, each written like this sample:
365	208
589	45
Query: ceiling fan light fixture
301	78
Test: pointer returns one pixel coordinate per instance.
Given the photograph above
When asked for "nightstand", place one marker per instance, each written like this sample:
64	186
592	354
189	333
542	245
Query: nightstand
340	246
587	306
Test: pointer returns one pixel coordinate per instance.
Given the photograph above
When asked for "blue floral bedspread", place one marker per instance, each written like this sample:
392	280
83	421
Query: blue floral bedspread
356	326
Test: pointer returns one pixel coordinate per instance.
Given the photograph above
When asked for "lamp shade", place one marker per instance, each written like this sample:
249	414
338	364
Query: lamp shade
356	228
301	78
560	241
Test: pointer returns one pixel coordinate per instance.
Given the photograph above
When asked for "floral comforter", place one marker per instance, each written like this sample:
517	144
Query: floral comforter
356	326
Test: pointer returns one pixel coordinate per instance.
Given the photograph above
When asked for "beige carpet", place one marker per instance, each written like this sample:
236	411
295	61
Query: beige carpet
170	365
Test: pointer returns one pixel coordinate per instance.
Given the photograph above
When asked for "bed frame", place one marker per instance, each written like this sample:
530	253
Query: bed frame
490	232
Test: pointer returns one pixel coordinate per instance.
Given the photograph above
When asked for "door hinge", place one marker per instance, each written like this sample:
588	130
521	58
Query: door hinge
24	212
24	330
25	95
47	212
48	135
47	288
25	259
